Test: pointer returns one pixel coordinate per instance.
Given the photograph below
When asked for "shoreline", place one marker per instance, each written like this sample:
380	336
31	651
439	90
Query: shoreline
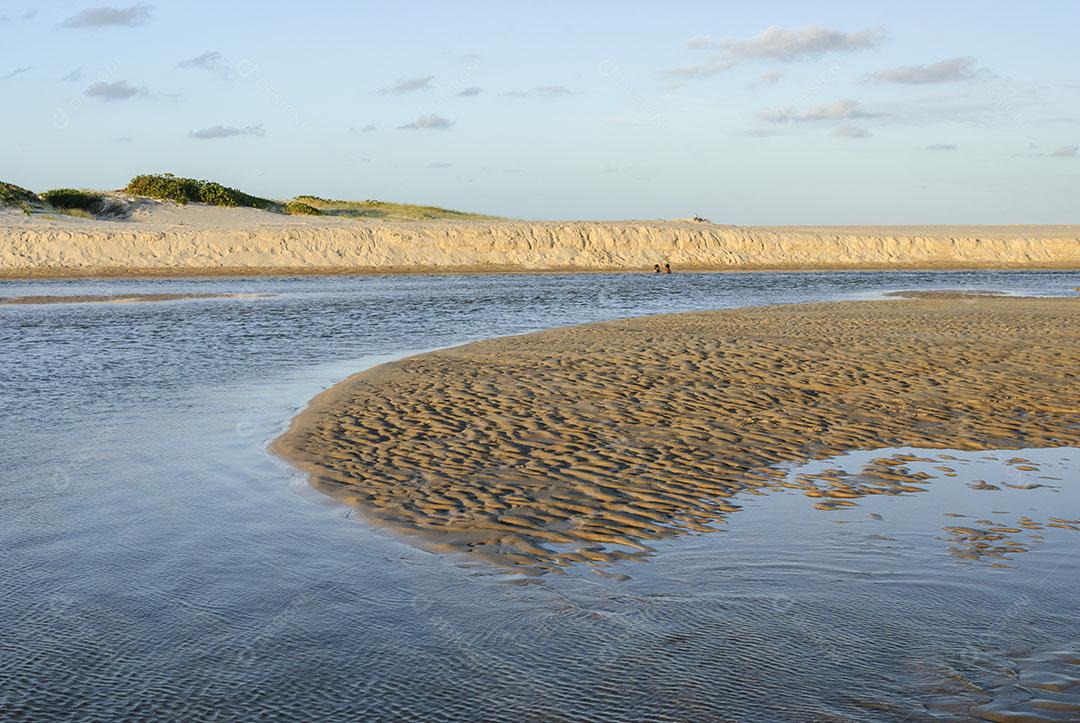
584	444
162	239
59	274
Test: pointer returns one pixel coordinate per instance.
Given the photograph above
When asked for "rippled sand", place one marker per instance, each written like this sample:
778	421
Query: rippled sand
588	443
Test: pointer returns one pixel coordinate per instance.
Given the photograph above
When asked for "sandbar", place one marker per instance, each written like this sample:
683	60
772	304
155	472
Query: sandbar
589	443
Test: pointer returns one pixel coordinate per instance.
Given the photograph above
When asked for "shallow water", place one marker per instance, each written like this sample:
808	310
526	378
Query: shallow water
157	561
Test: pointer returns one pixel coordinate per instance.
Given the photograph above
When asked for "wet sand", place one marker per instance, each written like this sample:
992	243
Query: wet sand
588	443
944	294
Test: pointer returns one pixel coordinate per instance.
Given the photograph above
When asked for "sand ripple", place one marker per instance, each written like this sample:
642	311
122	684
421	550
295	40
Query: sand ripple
589	443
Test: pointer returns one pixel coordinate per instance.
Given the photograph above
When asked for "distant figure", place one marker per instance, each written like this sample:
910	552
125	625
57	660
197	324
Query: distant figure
667	268
656	268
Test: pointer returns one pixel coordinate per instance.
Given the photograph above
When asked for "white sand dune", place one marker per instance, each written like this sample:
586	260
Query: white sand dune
163	238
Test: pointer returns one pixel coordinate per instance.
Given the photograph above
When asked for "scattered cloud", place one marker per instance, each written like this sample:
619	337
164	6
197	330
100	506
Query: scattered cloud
770	78
700	41
852	132
211	62
409	85
119	90
941	147
762	133
369	128
846	109
470	92
704	70
1061	152
227	132
427	122
18	71
774	43
951	70
28	15
789	45
104	17
1064	120
541	91
74	76
122	140
440	165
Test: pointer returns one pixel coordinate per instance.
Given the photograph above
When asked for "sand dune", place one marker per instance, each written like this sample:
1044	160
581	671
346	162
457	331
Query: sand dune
164	238
587	443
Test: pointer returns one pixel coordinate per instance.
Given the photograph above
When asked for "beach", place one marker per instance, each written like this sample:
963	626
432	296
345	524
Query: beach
163	238
149	515
587	444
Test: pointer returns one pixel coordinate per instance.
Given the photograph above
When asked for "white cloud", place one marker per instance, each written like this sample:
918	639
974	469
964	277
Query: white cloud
427	122
941	147
951	70
704	70
211	61
770	78
852	132
227	132
774	43
470	92
73	76
409	85
846	109
18	71
1065	152
541	91
119	90
794	44
102	17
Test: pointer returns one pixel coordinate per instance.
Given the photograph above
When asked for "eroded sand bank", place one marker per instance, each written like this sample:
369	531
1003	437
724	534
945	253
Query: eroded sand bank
589	442
162	238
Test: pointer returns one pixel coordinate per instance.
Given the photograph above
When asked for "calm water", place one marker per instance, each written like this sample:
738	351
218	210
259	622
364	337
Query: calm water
156	561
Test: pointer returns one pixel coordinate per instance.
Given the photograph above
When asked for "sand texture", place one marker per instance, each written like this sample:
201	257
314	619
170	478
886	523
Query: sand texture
163	238
587	443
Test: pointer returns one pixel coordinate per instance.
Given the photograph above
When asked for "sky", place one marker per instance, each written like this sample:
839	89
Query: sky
760	113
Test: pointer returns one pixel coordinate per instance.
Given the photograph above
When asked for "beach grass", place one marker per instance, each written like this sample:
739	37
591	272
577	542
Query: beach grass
388	211
12	196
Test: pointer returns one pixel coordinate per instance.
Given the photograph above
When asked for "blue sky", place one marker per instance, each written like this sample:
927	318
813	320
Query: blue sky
747	113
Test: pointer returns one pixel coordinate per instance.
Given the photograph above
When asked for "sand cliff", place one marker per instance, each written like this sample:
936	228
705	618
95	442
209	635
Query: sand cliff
164	238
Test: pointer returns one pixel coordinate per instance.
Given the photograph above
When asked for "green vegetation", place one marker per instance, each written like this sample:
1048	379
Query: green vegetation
12	196
386	211
168	187
296	208
85	204
69	199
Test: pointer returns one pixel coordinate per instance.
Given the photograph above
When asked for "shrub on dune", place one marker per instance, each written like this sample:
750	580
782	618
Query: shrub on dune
168	187
297	208
75	202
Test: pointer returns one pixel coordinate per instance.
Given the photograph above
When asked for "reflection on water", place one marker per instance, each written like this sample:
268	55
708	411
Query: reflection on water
157	562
